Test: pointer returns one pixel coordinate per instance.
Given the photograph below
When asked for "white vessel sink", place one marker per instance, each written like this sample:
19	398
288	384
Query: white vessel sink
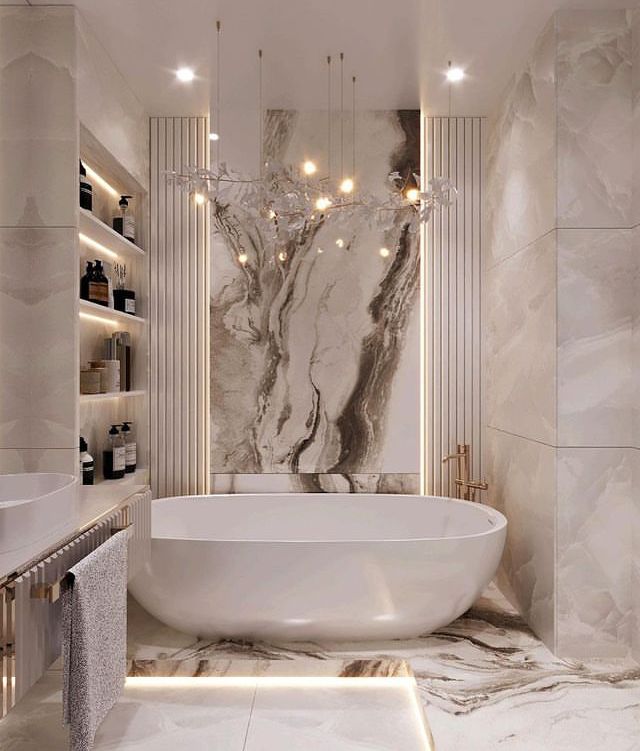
36	510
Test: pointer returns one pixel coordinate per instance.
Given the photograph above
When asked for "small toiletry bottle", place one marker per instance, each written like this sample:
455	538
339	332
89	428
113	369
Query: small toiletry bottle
130	447
99	286
113	458
87	465
84	281
86	189
125	223
108	272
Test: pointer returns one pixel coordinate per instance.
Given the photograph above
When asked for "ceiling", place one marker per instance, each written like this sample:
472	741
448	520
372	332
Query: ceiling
398	50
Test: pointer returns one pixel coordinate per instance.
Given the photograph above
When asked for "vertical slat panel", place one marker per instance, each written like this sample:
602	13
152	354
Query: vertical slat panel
180	301
452	287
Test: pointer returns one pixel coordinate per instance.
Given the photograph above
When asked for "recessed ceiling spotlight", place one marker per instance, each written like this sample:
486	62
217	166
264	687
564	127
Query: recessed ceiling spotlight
214	137
185	75
454	74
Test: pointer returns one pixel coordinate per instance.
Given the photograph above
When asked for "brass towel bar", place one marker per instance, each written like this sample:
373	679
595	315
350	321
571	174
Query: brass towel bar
50	591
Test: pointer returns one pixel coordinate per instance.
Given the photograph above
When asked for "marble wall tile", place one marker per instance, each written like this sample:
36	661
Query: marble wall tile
39	128
521	476
635	554
38	346
38	460
315	483
520	342
597	286
594	118
594	543
108	107
635	114
521	156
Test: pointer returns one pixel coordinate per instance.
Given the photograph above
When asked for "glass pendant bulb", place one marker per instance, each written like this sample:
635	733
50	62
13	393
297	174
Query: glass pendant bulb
346	186
309	168
413	194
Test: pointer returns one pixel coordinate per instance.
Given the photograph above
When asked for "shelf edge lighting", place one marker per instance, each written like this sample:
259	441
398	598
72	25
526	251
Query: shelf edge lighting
96	245
100	319
93	175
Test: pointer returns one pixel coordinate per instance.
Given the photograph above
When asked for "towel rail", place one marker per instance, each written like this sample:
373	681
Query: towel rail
51	591
30	609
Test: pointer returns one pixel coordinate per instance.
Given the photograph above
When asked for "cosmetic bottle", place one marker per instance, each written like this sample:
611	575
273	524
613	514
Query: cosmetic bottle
84	281
125	223
119	348
99	286
113	458
87	465
108	272
130	447
86	189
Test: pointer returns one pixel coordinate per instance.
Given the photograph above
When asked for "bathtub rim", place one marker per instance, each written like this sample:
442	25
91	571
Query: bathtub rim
498	517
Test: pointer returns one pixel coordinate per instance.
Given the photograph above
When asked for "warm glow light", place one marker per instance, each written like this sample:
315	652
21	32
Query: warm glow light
96	178
340	242
243	258
384	252
413	194
323	203
100	319
346	186
200	199
320	250
288	681
96	245
185	75
309	167
272	214
214	137
282	256
455	74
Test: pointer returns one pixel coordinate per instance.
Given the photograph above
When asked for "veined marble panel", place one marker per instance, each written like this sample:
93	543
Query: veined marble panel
308	356
520	342
315	483
594	100
597	299
522	481
521	156
38	347
38	120
594	543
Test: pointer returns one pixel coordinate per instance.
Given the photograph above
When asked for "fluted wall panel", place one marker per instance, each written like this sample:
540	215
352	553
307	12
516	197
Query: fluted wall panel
179	312
452	284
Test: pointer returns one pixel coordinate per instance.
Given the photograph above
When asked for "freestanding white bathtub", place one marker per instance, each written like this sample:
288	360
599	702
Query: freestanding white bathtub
317	566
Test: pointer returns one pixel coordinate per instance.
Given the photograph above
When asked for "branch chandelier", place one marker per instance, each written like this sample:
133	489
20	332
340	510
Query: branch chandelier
288	203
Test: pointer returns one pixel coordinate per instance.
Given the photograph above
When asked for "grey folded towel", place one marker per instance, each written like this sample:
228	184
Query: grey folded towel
94	641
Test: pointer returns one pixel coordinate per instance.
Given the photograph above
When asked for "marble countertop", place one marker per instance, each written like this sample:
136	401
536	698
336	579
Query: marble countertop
95	503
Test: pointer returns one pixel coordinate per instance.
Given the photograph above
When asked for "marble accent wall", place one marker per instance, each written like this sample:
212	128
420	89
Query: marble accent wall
315	362
38	236
560	283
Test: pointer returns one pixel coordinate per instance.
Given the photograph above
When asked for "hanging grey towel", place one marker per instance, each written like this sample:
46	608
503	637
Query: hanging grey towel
94	642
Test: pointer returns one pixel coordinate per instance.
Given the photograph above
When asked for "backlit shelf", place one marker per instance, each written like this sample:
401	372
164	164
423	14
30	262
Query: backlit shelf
93	311
98	236
111	395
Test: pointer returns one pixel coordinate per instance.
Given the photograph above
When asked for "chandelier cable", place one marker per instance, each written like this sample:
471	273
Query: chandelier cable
353	135
342	115
329	116
218	117
260	115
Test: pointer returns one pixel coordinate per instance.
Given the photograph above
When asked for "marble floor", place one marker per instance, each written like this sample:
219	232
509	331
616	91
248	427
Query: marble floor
252	714
485	681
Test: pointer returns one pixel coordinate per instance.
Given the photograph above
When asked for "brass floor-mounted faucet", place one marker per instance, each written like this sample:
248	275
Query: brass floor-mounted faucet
463	484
